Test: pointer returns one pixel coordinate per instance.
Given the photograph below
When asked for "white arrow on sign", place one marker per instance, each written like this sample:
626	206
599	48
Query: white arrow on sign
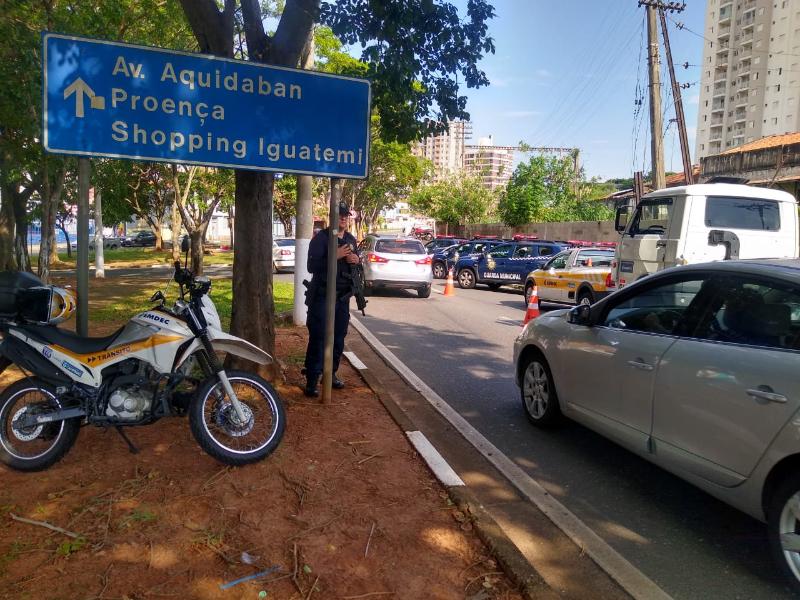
79	88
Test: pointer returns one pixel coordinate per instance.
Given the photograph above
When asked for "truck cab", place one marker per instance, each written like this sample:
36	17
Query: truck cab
704	222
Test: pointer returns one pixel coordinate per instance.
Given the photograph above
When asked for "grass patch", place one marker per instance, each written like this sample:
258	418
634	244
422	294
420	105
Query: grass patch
142	256
132	299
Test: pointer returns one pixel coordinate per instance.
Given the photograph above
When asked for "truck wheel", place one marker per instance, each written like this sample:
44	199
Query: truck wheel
585	297
466	279
783	527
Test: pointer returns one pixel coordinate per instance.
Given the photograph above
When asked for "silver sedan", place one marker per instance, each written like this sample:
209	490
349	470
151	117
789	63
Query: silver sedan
395	262
696	370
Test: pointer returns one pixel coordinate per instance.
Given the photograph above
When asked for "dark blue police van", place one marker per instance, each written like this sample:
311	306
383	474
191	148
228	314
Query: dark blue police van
505	262
443	259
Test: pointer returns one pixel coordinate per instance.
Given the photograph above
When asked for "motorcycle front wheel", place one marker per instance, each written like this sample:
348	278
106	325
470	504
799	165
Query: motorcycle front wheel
218	429
37	447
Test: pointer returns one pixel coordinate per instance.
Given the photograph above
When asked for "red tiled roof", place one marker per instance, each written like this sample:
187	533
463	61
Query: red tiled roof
677	179
771	141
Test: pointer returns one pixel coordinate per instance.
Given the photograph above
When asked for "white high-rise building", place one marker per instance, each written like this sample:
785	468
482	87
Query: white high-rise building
494	165
445	150
750	73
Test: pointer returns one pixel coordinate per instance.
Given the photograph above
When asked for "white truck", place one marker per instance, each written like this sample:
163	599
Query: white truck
704	222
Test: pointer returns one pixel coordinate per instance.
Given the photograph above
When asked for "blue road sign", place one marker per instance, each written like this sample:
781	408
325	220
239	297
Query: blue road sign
123	101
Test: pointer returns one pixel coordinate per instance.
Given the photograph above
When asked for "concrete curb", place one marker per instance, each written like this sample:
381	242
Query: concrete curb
528	580
630	579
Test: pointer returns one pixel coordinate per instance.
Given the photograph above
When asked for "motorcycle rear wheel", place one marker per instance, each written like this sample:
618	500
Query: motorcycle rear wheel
35	448
217	428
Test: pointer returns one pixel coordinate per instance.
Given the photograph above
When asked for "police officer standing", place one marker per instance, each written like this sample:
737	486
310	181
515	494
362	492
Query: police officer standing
315	299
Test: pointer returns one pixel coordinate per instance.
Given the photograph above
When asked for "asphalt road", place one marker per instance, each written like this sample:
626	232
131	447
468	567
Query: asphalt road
690	544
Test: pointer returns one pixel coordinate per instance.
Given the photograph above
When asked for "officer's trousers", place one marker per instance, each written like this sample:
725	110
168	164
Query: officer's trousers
315	321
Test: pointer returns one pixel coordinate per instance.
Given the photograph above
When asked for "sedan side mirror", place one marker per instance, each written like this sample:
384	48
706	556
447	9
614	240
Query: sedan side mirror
581	315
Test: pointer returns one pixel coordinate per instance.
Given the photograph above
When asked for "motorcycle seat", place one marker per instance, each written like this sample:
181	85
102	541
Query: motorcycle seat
68	339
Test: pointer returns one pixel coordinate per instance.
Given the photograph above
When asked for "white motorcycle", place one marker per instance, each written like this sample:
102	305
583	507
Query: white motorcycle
162	363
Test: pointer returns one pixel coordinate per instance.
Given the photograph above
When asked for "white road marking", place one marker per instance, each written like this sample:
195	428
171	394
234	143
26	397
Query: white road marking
443	471
631	579
355	361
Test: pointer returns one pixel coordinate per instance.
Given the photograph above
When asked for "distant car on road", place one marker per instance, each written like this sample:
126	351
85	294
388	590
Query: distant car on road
693	368
439	243
576	276
395	262
109	243
143	238
505	263
283	255
443	259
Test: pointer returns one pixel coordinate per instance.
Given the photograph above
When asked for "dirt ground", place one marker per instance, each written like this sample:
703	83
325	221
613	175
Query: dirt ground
345	508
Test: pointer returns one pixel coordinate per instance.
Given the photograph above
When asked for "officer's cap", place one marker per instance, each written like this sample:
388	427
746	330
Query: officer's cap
344	210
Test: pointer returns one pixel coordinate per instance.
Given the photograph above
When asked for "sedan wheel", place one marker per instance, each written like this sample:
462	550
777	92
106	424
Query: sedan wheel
439	271
539	394
784	528
466	279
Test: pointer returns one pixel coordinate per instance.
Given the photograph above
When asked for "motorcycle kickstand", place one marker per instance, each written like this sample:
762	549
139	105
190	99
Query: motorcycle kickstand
133	449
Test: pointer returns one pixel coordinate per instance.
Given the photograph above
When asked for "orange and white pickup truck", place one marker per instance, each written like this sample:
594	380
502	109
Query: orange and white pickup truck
575	276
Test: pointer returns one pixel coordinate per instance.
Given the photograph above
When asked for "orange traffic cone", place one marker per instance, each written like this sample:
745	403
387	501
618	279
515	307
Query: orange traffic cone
533	306
449	289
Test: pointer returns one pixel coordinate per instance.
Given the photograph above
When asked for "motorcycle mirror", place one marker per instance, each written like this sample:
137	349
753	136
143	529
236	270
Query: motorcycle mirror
158	296
185	244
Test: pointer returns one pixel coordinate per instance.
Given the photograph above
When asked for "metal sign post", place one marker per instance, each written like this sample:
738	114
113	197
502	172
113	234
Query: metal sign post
82	264
330	290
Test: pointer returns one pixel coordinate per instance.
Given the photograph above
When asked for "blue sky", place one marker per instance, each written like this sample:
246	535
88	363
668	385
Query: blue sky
565	73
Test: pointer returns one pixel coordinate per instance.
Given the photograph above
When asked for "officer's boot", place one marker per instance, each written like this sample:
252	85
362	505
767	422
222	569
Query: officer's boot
311	386
337	383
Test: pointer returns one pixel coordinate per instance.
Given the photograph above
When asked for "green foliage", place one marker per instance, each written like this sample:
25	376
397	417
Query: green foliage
543	189
71	546
393	172
417	52
459	200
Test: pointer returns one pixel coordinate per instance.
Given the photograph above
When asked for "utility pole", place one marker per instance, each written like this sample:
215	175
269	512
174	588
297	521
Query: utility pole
658	179
654	66
676	94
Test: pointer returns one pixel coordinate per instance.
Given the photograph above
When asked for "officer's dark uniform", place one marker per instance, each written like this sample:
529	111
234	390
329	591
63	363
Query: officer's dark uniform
318	267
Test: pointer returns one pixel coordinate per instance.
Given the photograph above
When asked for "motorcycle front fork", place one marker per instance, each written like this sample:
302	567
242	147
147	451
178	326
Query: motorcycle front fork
212	366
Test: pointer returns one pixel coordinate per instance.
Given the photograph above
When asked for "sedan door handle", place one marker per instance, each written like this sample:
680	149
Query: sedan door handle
764	392
640	364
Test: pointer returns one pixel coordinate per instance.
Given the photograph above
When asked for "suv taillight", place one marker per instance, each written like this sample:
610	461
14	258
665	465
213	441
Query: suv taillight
374	258
423	261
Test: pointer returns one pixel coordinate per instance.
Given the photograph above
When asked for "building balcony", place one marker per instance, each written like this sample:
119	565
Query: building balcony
724	32
723	48
715	138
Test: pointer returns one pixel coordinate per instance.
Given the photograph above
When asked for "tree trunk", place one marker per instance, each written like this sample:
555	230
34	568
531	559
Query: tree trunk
176	232
287	227
63	229
21	237
196	239
231	221
155	227
253	311
8	261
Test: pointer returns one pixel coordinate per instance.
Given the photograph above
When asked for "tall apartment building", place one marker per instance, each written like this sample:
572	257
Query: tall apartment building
445	150
494	165
750	74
